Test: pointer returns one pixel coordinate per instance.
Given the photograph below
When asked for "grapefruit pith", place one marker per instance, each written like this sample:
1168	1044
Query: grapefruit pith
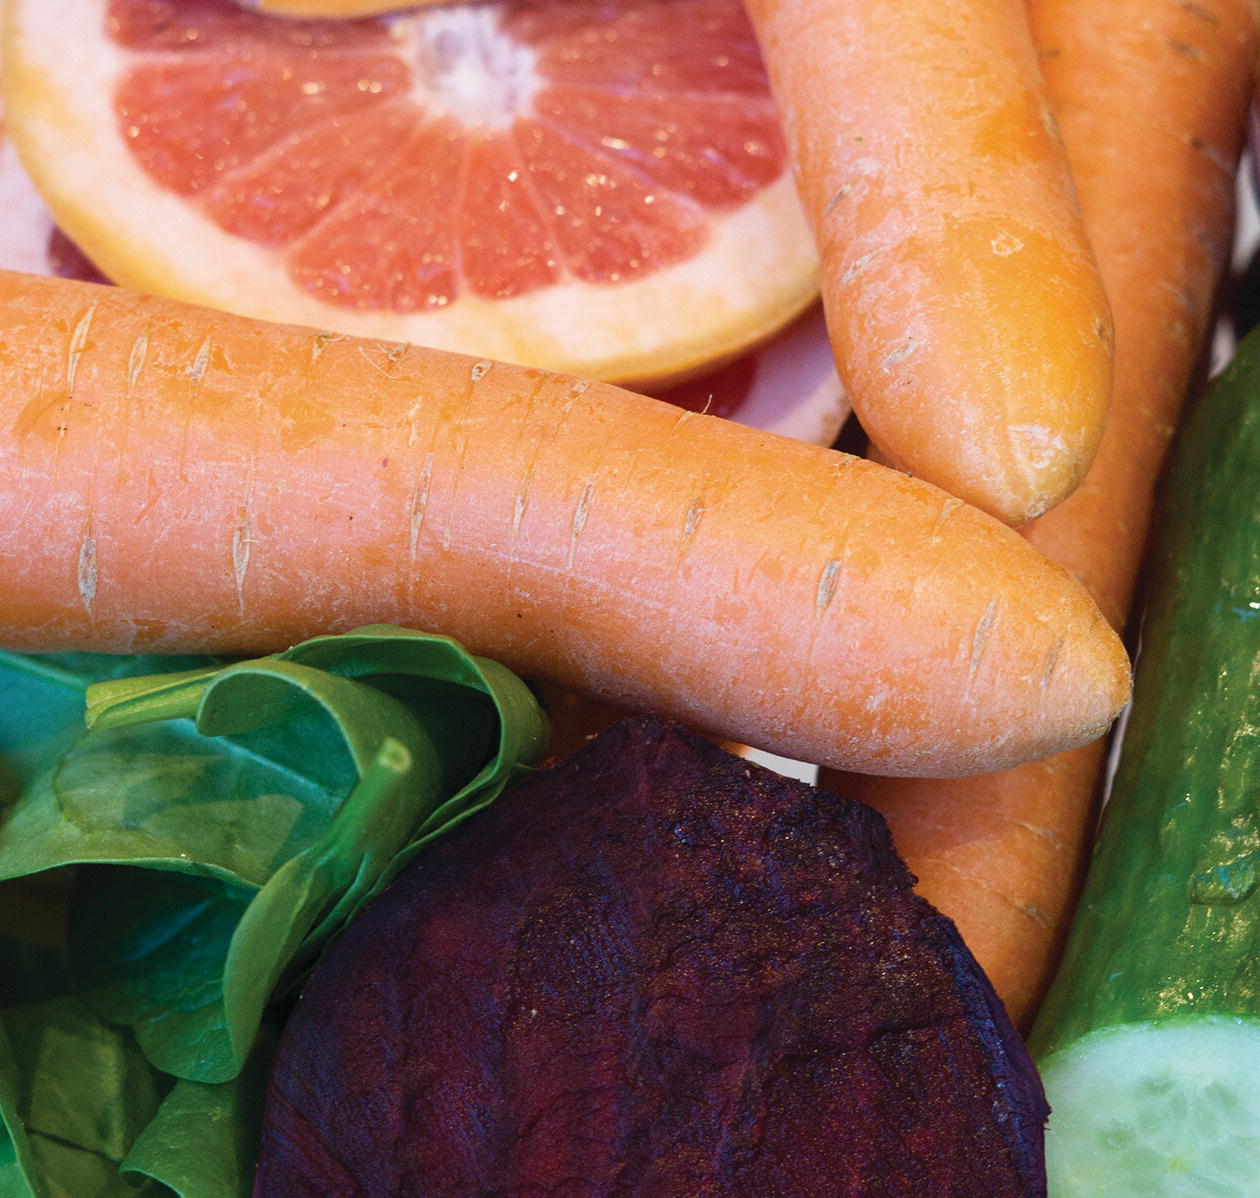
592	186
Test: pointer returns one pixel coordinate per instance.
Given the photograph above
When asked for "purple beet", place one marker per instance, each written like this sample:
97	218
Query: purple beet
653	970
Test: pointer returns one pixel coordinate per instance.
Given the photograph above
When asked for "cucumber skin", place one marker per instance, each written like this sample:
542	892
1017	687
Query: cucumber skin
1168	924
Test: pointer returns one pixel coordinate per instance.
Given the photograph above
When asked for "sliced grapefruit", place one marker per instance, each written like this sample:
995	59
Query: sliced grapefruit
787	385
598	186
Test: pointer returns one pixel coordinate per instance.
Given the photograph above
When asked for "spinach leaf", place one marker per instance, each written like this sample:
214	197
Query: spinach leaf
89	1093
203	1141
42	699
220	823
17	1157
74	1092
270	801
82	1112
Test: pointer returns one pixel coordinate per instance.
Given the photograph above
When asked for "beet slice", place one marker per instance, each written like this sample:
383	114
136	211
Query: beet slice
653	969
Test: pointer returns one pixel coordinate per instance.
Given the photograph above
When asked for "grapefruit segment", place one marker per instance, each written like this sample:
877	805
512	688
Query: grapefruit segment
595	187
189	123
711	149
411	262
279	195
513	254
609	224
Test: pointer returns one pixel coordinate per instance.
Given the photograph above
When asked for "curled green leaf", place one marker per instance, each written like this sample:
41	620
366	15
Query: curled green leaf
228	820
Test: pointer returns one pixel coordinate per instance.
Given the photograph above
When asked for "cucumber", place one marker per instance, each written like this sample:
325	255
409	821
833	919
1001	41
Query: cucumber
1149	1040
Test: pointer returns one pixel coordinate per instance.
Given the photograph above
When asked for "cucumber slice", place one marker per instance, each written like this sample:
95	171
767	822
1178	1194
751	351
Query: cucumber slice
1156	1109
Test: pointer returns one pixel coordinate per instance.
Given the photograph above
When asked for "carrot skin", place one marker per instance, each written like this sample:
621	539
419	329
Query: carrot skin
173	478
1152	98
967	316
1003	855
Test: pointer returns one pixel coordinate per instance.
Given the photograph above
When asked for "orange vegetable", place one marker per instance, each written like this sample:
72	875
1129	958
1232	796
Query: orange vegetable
965	310
1152	98
176	478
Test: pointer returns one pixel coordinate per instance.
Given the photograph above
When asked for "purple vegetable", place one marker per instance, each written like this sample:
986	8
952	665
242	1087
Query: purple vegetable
655	970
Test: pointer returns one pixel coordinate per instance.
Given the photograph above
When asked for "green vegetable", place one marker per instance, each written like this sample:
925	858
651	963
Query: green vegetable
203	1140
64	1137
1149	1041
71	1136
41	704
223	822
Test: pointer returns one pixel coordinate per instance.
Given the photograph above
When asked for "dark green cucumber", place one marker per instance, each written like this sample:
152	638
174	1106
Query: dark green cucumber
1149	1041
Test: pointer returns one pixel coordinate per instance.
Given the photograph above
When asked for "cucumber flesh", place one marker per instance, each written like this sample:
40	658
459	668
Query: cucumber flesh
1169	1107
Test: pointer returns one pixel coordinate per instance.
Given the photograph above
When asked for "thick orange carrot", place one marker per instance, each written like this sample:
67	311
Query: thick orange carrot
968	321
175	478
1151	96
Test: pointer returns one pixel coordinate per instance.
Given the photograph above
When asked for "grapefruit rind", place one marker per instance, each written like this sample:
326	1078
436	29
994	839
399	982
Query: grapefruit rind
757	271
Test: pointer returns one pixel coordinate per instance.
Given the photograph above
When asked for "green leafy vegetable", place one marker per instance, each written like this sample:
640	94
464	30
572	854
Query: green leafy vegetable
73	1090
203	1141
222	822
41	704
92	1093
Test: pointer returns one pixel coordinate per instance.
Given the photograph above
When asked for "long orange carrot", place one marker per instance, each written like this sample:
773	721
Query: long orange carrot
1151	96
175	478
968	321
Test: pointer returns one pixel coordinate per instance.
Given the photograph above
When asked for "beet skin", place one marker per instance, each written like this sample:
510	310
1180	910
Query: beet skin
653	970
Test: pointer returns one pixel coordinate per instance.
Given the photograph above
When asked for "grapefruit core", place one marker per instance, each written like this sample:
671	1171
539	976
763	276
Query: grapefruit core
595	187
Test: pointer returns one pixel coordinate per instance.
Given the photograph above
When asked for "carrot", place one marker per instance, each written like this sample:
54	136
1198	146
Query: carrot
964	307
175	478
1151	97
